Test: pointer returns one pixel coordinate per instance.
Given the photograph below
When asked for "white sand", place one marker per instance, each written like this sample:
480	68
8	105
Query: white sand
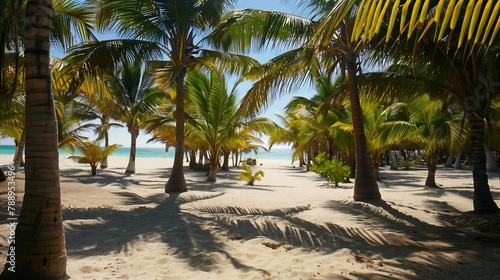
125	227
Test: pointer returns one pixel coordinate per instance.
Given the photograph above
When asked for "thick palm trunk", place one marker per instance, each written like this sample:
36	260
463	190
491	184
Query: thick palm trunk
177	181
431	171
19	152
365	186
482	200
40	248
133	150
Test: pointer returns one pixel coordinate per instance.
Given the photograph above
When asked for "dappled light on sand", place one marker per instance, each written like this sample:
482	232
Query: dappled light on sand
289	226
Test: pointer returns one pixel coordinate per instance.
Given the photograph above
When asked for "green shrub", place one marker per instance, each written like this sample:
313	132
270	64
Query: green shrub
334	171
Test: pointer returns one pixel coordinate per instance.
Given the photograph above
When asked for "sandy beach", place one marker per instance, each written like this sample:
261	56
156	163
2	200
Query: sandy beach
290	225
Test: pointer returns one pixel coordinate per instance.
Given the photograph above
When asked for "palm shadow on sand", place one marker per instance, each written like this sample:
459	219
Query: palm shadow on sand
195	232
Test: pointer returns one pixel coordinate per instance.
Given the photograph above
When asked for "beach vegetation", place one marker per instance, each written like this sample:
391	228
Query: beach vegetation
333	170
323	42
213	117
93	154
134	98
248	175
172	29
462	52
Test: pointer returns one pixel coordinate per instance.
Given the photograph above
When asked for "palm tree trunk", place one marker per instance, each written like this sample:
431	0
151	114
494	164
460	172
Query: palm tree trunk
365	186
491	164
192	159
376	168
212	173
482	200
458	161
225	164
134	132
449	161
40	248
19	152
104	161
431	171
93	169
394	162
177	181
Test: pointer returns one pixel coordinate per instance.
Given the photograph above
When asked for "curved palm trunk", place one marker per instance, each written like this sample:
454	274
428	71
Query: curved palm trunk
133	150
177	181
19	152
365	186
482	200
40	248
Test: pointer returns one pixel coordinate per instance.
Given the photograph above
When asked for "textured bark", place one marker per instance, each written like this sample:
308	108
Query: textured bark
365	186
177	181
40	248
482	200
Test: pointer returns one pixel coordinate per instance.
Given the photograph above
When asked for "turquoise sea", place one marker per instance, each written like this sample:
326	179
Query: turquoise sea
280	153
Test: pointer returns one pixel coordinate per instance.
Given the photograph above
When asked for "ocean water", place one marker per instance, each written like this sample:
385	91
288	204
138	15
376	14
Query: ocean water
280	153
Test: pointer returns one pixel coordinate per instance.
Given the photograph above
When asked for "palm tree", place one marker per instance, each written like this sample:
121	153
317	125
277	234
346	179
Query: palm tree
328	33
42	203
432	124
41	255
213	115
456	39
156	28
93	154
134	97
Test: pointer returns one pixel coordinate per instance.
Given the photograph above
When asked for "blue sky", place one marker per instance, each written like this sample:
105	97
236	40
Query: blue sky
121	135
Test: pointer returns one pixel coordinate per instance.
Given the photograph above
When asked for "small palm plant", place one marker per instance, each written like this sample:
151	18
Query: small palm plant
248	176
93	154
